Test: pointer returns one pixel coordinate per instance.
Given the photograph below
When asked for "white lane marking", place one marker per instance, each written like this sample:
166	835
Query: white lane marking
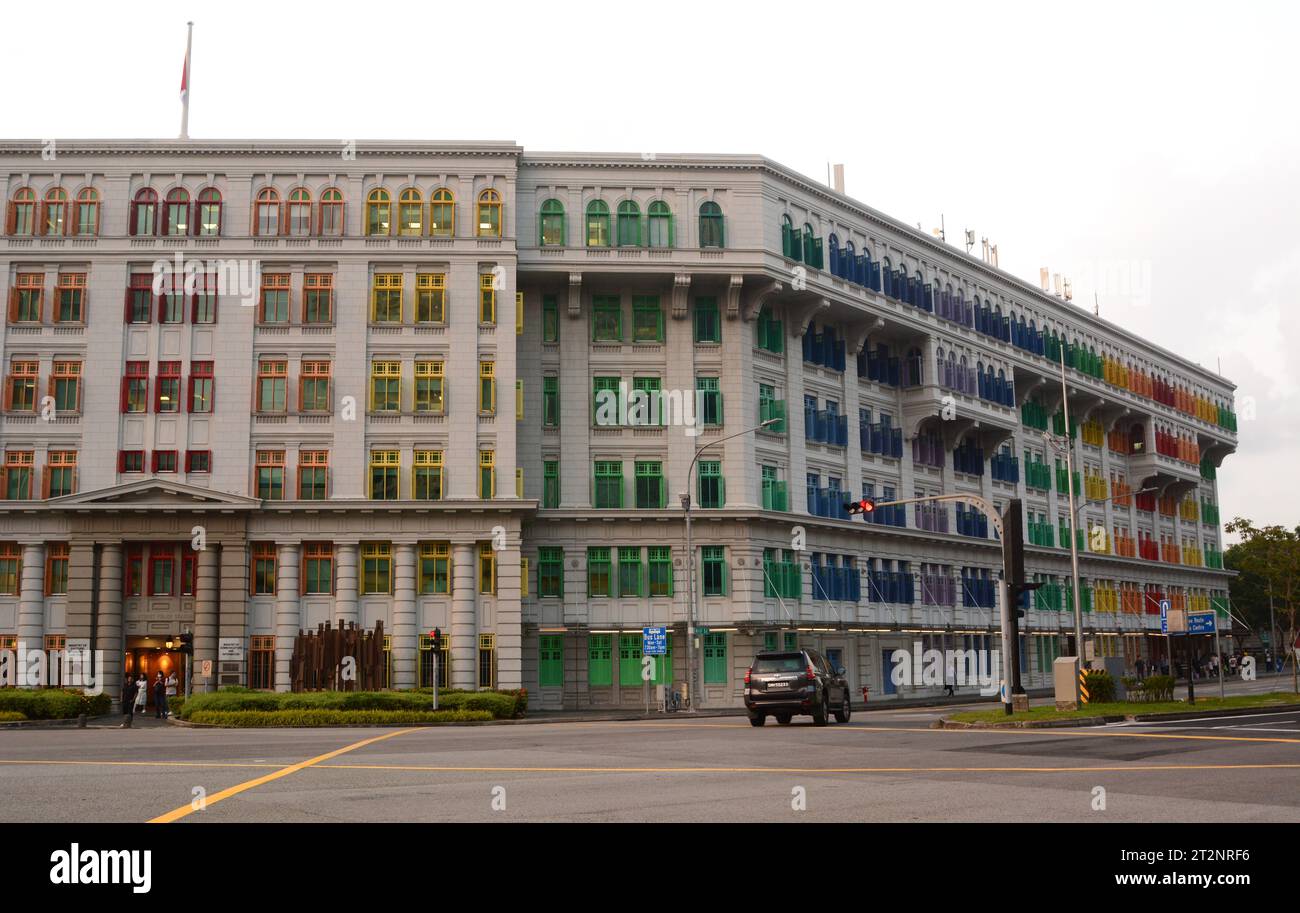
1239	716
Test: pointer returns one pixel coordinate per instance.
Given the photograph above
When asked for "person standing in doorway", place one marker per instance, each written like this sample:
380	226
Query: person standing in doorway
159	697
141	694
172	686
950	677
128	701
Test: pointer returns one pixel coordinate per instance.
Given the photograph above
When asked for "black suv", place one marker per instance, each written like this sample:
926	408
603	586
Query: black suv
798	681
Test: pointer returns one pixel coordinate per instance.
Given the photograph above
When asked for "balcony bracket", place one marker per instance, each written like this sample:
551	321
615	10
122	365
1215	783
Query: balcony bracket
681	293
753	302
575	295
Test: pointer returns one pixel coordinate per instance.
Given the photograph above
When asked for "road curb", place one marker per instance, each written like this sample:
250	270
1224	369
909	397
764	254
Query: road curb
1119	718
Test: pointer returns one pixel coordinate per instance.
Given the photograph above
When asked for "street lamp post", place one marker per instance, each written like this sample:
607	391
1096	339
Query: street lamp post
1074	525
693	673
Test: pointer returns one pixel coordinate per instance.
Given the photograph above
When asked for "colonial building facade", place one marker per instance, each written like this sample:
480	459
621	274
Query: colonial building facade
255	387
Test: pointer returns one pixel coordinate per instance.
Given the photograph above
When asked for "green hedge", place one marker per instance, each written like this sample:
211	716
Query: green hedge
318	717
1152	689
1101	687
498	705
12	716
53	703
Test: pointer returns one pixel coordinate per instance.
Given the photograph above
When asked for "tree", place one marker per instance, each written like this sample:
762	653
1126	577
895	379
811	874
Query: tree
1269	557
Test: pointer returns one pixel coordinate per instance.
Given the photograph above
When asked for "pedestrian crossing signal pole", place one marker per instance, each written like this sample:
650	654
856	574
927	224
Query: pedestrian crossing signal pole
1013	587
435	644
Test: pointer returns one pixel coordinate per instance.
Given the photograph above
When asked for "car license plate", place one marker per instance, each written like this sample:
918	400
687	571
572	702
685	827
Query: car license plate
771	686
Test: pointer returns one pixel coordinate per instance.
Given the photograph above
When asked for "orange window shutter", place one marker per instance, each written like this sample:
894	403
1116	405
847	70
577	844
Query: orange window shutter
9	392
11	218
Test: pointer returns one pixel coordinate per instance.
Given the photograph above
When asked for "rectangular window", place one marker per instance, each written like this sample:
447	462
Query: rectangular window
715	659
429	387
56	568
550	571
550	484
645	404
162	569
487	660
607	319
272	385
318	298
139	298
376	568
487	568
608	484
275	298
431	298
198	461
519	400
314	387
133	575
647	319
60	473
708	325
550	660
71	293
426	476
599	580
11	572
26	300
318	568
487	298
166	461
604	400
202	387
550	319
600	663
20	386
384	468
709	399
650	485
487	473
660	570
65	385
714	570
167	390
435	568
263	575
130	461
204	306
135	387
487	388
270	475
713	488
629	571
18	475
550	401
386	298
386	386
171	303
313	475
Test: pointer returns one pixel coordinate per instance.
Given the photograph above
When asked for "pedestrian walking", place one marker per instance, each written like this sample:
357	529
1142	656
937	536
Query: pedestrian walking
128	702
950	678
159	697
1141	668
141	694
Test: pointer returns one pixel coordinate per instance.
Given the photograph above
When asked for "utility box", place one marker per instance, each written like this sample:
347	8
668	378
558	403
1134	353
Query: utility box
1114	666
1065	676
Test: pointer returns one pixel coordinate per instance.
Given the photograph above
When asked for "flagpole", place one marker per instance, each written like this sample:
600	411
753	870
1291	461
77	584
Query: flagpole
185	85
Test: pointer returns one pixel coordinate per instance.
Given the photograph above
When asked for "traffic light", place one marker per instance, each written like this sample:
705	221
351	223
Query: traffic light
187	643
435	638
865	506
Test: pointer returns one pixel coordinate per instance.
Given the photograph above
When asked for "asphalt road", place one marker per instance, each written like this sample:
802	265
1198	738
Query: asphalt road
884	766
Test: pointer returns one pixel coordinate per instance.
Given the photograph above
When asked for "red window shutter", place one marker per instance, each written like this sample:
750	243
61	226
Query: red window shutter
125	383
121	461
189	398
43	212
11	218
130	228
153	461
13	305
126	306
157	398
9	392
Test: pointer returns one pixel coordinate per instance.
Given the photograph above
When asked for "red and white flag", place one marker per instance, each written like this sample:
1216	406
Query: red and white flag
185	85
185	75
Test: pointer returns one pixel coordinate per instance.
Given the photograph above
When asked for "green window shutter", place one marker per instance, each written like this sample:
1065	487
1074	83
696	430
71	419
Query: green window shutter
550	648
769	642
599	581
715	659
600	667
791	641
629	659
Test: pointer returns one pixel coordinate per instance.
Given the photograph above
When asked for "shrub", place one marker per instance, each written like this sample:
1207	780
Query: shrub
319	717
500	705
12	716
1101	687
53	703
1158	688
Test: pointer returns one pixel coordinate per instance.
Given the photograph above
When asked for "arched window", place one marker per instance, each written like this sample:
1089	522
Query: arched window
661	224
86	223
629	224
331	213
177	213
598	224
21	218
550	231
410	213
54	215
267	221
489	214
711	227
442	214
209	222
144	212
379	206
299	213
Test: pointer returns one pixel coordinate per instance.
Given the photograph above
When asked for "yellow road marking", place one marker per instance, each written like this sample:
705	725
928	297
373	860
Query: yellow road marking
145	763
805	770
177	813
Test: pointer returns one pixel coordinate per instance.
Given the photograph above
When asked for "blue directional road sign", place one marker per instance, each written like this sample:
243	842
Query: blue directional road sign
654	641
1200	623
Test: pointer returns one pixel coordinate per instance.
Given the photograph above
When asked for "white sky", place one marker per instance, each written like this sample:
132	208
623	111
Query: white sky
1150	151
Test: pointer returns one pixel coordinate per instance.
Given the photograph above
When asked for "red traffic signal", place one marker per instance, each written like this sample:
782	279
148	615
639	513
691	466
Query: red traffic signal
865	506
435	638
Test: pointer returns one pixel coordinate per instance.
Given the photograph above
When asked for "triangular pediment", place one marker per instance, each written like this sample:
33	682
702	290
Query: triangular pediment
154	493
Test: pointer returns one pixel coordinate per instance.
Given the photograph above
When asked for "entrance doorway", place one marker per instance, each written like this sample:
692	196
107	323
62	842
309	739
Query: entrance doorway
149	655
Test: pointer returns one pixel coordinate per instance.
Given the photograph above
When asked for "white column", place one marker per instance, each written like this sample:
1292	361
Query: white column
404	617
205	617
346	589
288	618
31	601
108	639
464	617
